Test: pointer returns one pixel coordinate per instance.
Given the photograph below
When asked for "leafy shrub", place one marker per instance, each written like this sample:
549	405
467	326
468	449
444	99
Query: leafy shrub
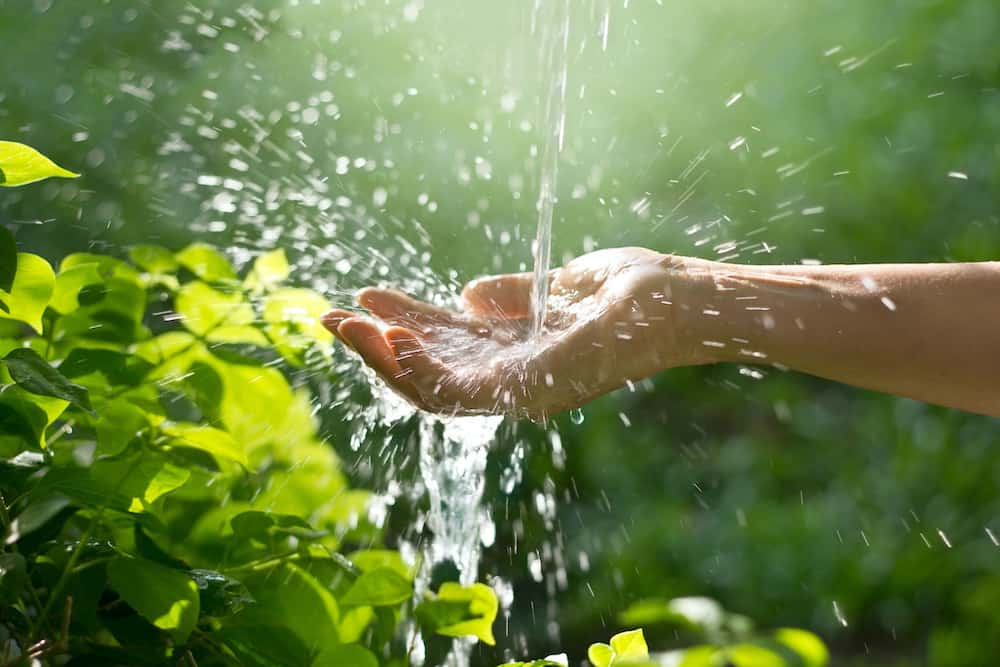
166	498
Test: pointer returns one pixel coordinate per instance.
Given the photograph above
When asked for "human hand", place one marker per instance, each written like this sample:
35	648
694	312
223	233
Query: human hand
610	319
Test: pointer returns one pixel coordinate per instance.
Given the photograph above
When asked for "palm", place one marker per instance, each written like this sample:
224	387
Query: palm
481	361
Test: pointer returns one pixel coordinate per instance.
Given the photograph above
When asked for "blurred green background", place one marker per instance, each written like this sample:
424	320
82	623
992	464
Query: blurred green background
397	140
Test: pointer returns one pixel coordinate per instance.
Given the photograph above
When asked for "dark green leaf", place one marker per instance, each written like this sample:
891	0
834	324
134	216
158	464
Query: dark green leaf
205	387
220	595
13	574
381	587
8	259
21	425
81	485
35	375
165	597
243	354
90	295
119	368
146	547
36	515
15	471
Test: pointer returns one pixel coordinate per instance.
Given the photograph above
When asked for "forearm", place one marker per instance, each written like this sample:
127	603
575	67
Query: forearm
926	331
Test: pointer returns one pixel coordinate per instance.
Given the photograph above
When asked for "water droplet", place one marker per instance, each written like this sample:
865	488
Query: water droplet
576	416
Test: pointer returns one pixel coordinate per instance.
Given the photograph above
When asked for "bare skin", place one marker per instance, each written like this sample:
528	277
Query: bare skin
925	331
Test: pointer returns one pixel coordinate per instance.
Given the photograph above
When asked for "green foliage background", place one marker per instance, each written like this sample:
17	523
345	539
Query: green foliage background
782	496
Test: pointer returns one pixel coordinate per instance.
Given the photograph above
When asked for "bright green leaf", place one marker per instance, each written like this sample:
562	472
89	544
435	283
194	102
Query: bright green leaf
165	597
269	269
808	646
69	283
552	661
600	655
752	655
216	442
461	611
153	258
23	164
168	478
206	262
381	587
224	317
630	645
33	285
37	376
24	417
626	648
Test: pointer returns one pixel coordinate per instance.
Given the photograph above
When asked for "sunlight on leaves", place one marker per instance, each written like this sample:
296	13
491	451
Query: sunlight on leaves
166	597
21	165
31	291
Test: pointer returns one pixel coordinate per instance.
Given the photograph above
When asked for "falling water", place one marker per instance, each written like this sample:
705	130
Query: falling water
550	26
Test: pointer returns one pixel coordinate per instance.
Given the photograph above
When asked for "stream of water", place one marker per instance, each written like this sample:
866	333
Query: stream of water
550	26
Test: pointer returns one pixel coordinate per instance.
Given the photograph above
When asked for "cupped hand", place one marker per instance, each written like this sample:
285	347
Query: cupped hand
610	319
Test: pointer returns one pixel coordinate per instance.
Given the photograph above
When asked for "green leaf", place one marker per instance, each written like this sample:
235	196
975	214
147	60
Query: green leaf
216	442
381	587
119	423
269	269
805	644
220	595
23	164
153	258
206	262
292	316
35	375
27	298
630	645
697	613
461	611
345	654
36	515
224	317
371	559
8	259
70	282
263	526
118	368
13	576
600	655
752	655
288	596
626	648
165	597
552	661
168	478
